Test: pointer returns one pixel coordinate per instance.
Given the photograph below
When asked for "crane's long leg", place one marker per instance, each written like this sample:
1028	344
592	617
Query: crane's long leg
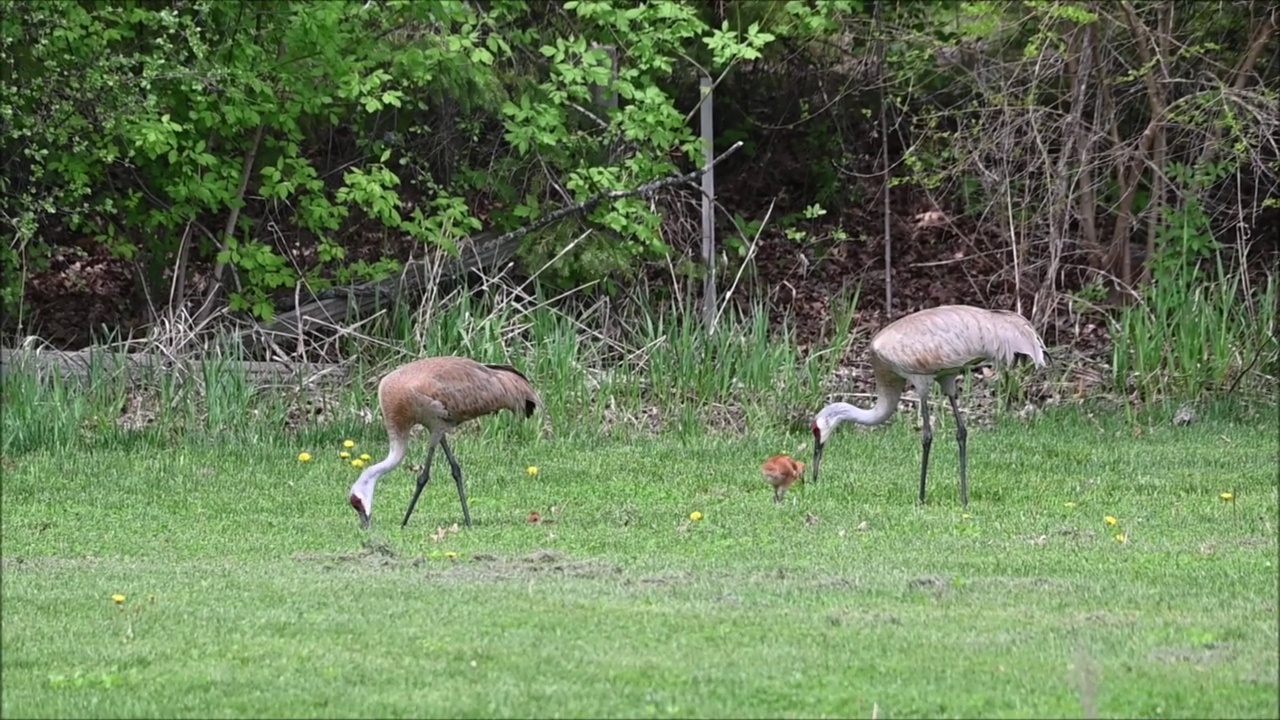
961	435
926	439
422	482
457	478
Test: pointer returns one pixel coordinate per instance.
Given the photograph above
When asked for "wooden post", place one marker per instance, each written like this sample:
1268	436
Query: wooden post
888	169
708	211
603	98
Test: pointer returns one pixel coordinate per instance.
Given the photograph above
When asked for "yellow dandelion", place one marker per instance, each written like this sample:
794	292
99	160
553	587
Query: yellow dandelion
357	463
695	516
117	598
532	470
1068	504
344	455
1110	520
304	457
1120	538
365	457
1226	497
451	554
348	444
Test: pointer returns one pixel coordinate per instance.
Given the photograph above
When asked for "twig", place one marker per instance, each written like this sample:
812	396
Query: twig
751	253
593	202
1247	369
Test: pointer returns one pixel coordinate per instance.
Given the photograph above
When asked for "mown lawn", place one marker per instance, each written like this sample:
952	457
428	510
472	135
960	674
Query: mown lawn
251	592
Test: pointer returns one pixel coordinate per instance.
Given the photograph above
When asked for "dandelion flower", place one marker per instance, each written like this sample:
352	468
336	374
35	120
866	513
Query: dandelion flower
304	457
117	598
695	516
344	455
1120	538
1226	497
1068	504
451	554
348	444
532	470
1109	520
357	463
365	457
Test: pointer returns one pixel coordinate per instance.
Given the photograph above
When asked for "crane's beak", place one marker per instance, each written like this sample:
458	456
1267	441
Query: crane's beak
359	508
817	458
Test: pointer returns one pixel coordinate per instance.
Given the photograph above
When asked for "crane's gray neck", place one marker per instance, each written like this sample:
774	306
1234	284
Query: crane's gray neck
365	483
838	412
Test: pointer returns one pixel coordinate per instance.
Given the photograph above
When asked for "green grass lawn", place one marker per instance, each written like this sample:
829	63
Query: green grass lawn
251	591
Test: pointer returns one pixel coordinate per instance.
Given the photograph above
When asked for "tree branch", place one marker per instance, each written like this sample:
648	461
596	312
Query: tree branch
593	202
1156	105
1241	76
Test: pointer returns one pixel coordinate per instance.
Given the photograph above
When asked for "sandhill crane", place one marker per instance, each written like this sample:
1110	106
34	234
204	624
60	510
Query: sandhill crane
934	344
439	393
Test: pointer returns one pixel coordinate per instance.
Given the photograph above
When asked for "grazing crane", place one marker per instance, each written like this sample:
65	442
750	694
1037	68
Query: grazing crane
439	393
934	344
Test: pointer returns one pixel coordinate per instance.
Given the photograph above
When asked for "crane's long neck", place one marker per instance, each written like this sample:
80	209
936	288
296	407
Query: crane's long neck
886	403
363	487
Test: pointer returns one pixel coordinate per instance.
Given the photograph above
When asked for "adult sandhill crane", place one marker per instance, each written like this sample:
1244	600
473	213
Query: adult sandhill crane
934	344
439	393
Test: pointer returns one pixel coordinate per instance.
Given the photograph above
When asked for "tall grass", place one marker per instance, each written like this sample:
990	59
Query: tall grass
607	368
1189	339
603	367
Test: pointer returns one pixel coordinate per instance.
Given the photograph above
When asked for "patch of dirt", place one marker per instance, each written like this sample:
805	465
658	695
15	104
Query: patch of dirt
1073	533
835	581
842	616
373	554
1107	619
485	566
376	555
680	577
48	563
1206	655
1033	583
929	582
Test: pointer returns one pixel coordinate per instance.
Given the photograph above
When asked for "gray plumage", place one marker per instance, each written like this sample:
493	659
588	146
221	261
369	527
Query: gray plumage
937	344
439	393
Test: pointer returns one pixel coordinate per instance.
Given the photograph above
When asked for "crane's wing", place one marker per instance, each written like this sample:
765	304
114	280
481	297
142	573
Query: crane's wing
951	337
457	389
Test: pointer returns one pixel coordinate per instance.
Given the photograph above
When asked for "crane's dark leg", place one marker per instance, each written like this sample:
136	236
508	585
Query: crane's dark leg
961	435
457	478
926	440
422	482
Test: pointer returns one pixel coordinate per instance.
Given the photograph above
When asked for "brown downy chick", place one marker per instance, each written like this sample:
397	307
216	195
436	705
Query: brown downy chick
781	471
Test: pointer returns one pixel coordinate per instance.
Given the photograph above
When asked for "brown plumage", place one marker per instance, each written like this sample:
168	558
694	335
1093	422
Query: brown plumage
781	471
439	393
934	344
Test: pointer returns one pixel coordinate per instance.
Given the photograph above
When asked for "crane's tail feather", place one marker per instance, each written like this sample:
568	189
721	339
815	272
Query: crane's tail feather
1017	337
519	383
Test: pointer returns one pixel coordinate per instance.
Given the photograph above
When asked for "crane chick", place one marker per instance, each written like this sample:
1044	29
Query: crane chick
781	472
439	393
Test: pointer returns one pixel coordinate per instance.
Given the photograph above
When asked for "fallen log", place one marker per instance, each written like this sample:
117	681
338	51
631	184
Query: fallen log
485	252
98	364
